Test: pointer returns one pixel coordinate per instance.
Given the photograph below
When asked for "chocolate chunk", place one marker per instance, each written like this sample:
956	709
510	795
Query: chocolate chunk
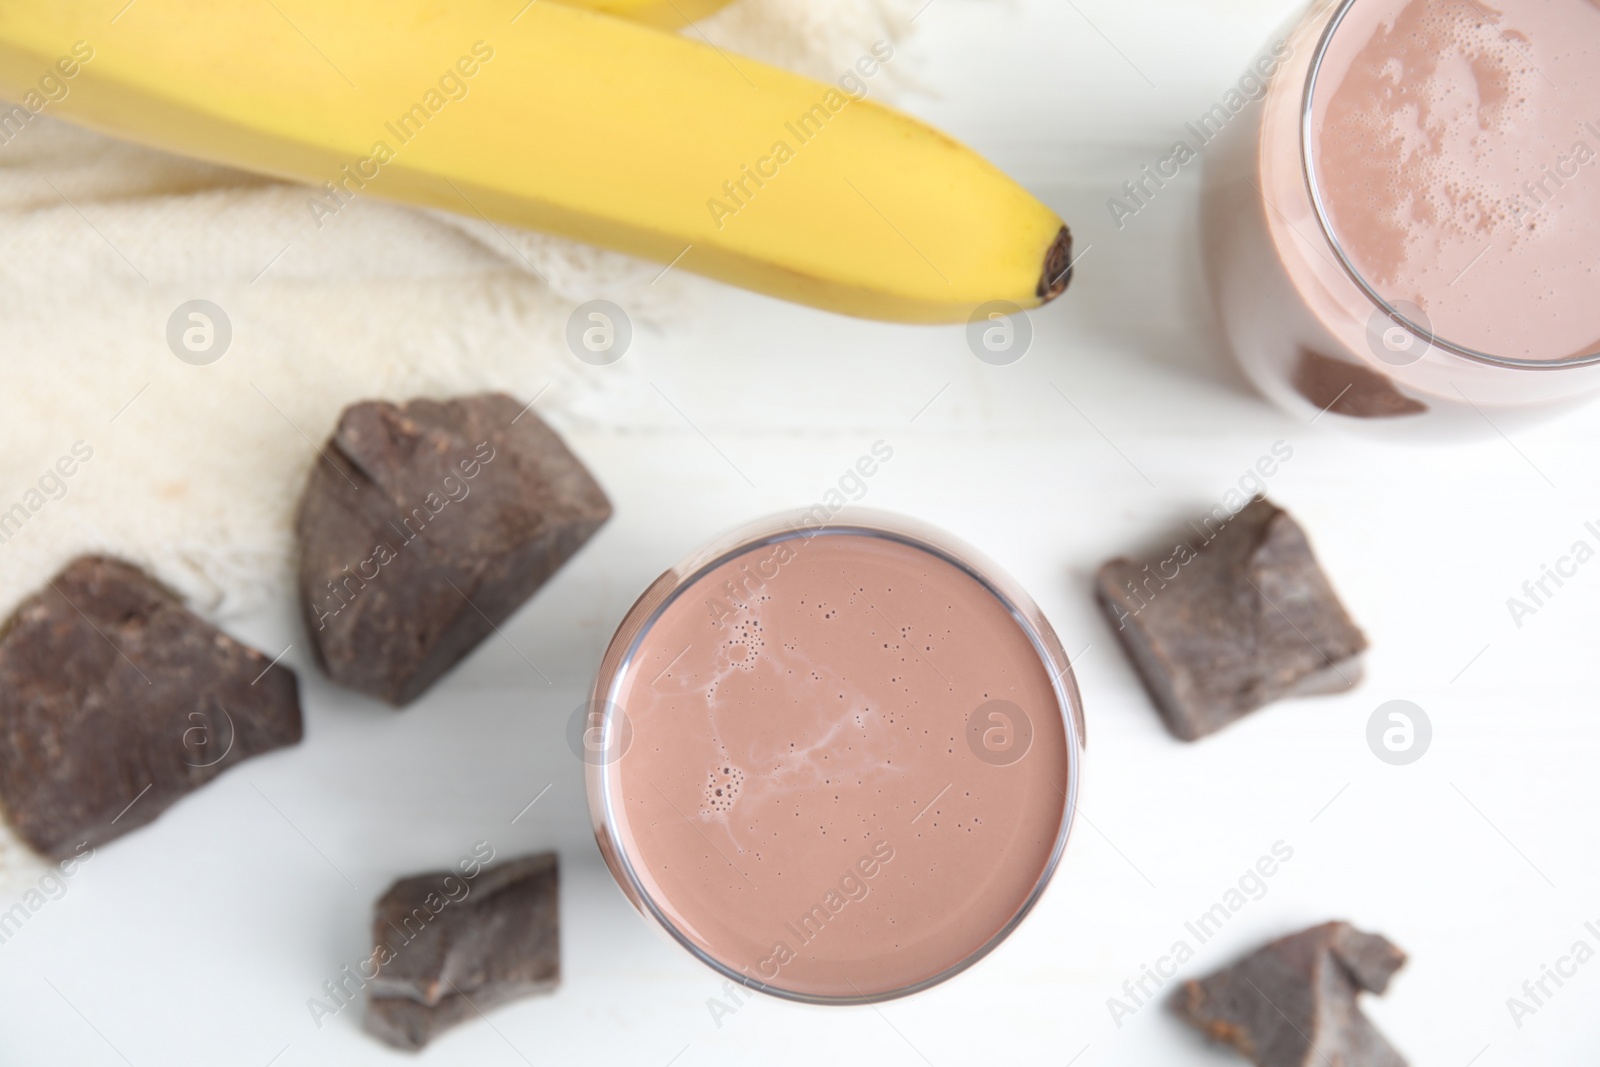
115	701
1347	389
1230	620
1293	1003
459	946
425	526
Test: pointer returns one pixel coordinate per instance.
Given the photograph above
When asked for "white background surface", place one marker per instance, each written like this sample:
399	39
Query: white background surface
199	939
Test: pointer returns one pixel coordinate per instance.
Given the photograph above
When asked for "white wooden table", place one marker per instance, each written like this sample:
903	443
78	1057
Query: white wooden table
203	944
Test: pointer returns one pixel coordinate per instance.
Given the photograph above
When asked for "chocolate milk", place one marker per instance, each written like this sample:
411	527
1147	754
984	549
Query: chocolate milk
1456	151
847	769
1460	161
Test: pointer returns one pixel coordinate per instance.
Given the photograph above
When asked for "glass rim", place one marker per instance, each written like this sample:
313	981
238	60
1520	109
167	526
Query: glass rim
1325	223
786	526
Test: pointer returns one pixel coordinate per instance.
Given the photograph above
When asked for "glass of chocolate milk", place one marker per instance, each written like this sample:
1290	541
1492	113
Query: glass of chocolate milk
836	758
1404	235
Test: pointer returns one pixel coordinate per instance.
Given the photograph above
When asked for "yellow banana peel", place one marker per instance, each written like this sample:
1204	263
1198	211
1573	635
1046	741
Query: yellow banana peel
665	14
563	120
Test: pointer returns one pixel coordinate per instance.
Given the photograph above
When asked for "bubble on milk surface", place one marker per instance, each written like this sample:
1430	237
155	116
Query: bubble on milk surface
723	783
745	643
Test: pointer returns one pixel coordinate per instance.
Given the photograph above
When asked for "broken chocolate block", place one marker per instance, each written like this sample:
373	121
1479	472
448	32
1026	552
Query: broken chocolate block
1293	1003
425	526
1230	620
1350	390
451	947
115	701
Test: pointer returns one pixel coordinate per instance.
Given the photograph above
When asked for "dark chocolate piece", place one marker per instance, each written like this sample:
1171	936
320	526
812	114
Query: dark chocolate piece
115	701
1293	1003
1230	620
425	526
458	946
1347	389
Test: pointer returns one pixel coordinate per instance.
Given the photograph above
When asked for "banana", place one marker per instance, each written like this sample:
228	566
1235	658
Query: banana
664	14
562	120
